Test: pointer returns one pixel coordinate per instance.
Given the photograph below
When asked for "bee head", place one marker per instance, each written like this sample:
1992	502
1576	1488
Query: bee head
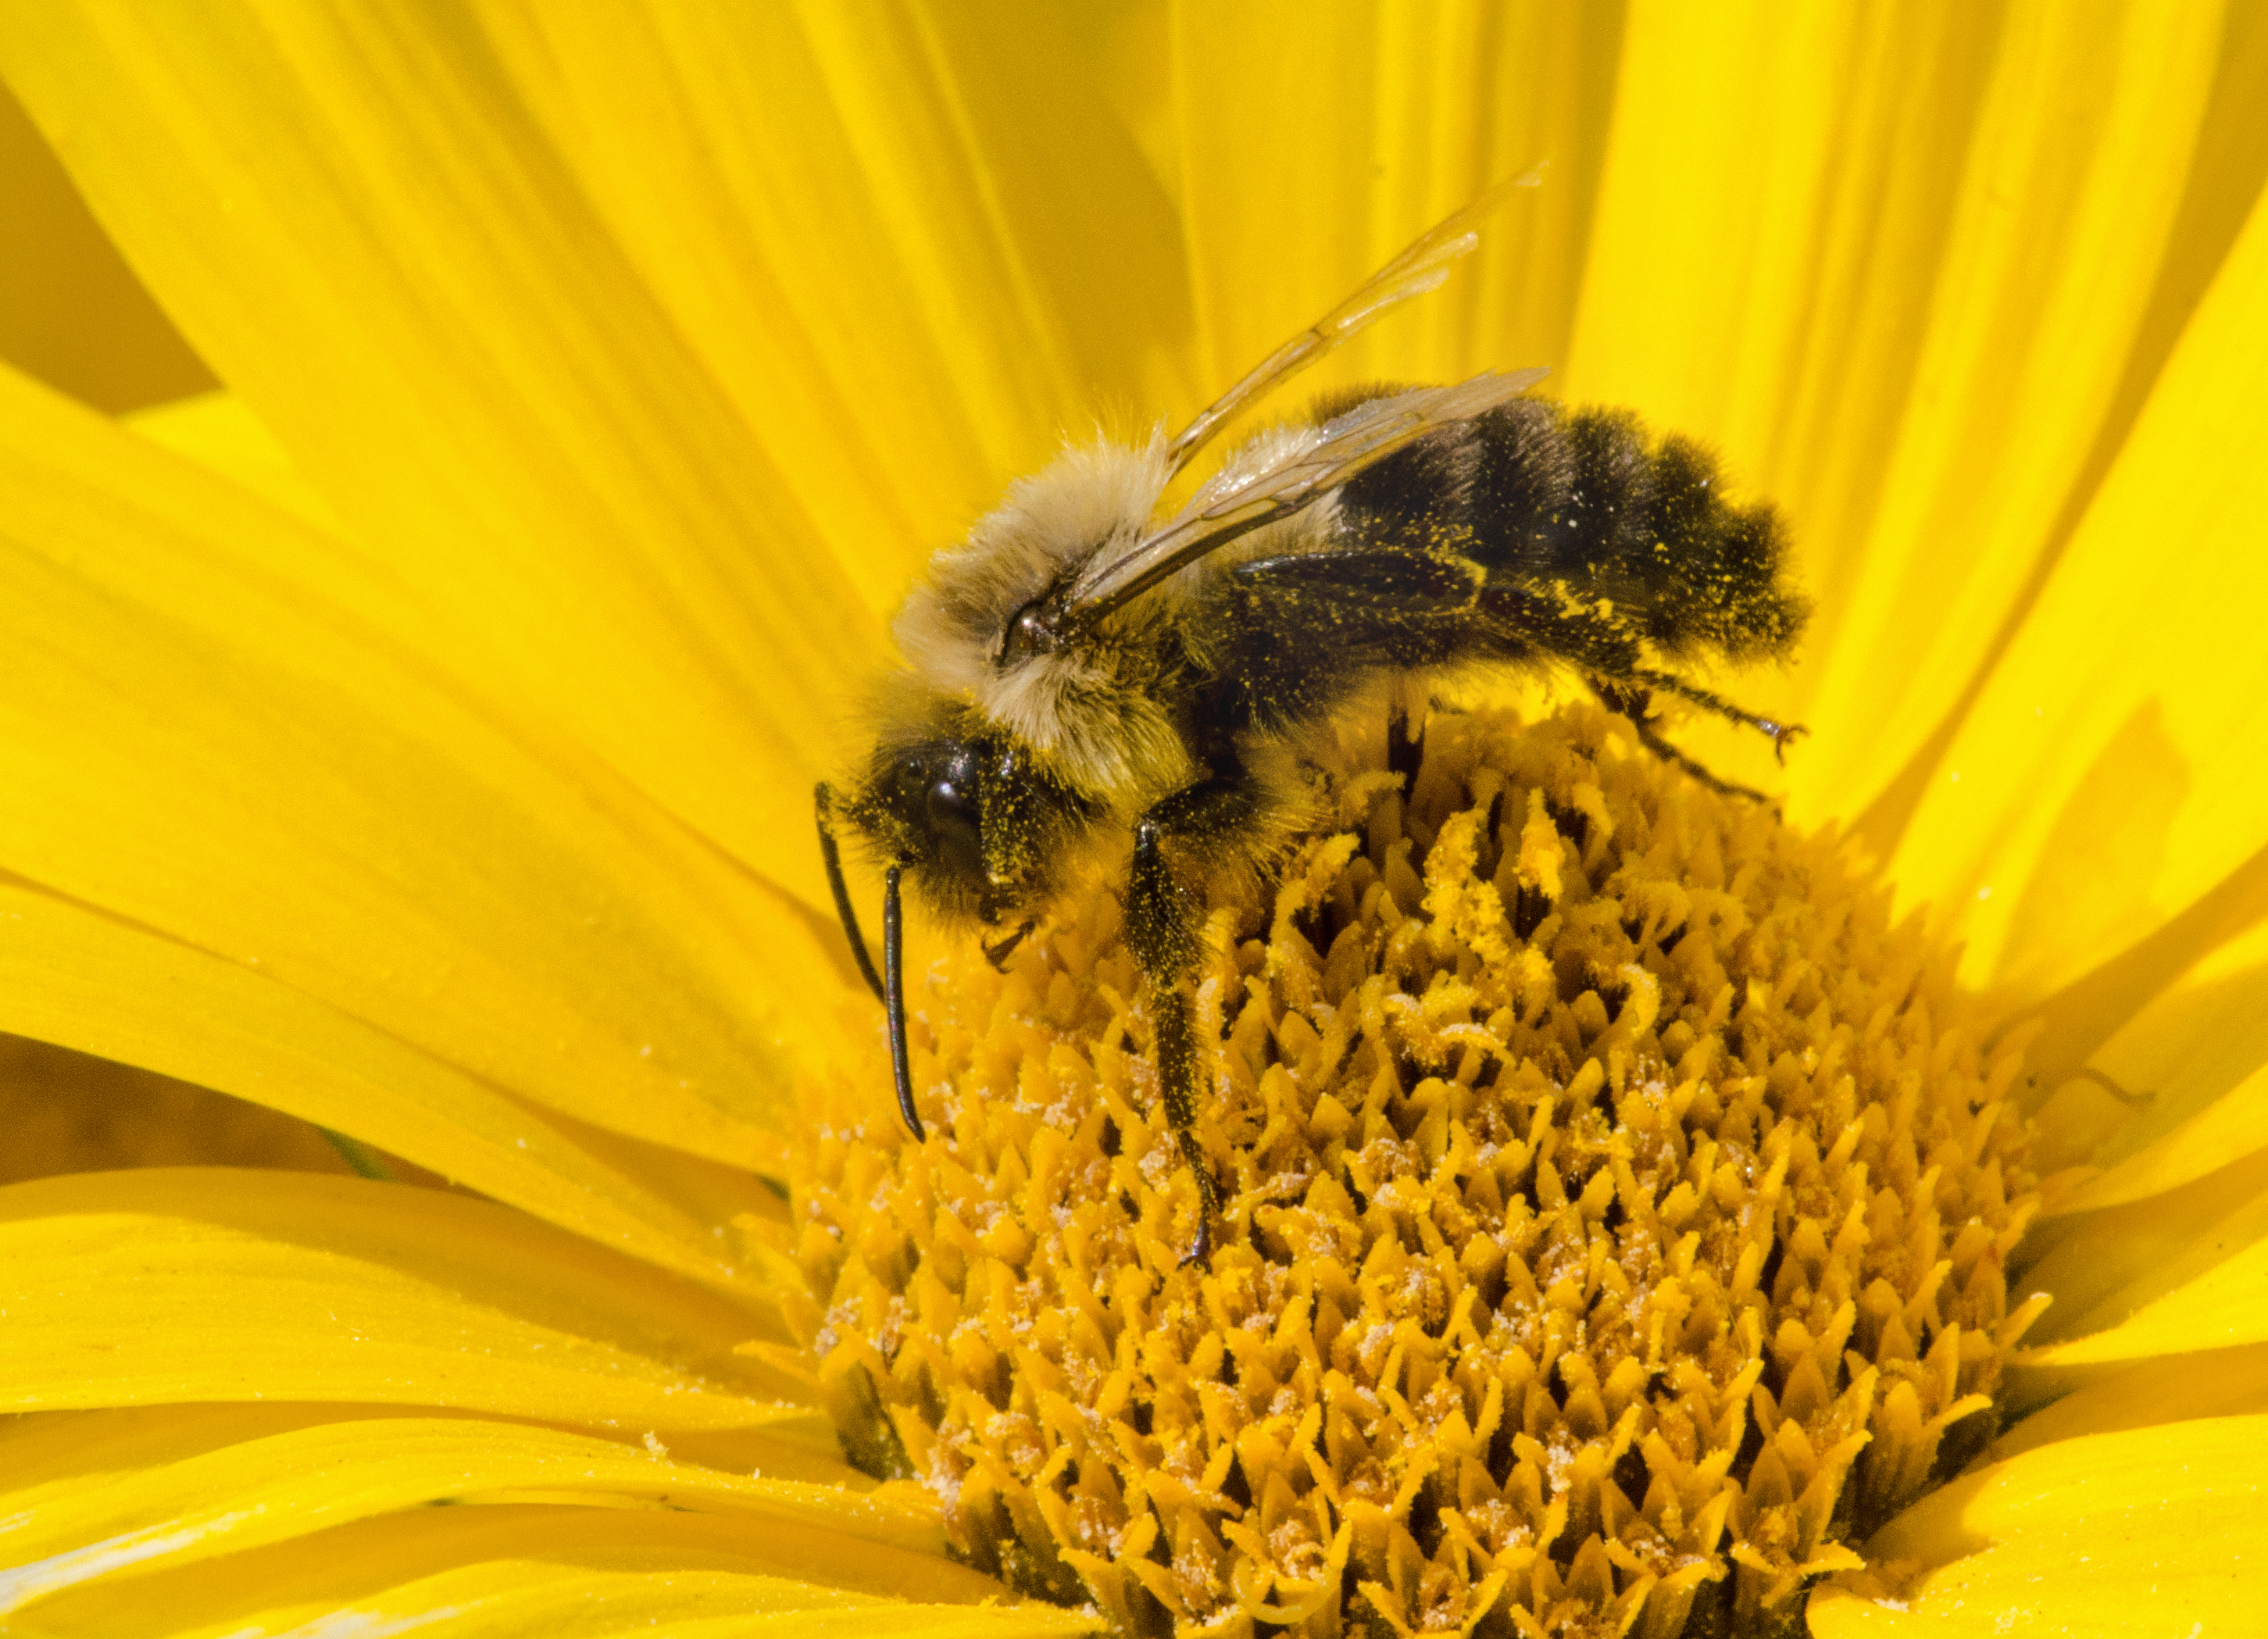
966	812
921	807
969	817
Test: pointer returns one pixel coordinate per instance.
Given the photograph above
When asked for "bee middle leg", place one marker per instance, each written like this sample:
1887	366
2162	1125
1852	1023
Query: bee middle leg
1162	921
1405	749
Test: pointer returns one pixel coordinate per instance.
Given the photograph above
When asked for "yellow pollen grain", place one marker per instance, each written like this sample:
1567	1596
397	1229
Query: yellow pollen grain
1615	1208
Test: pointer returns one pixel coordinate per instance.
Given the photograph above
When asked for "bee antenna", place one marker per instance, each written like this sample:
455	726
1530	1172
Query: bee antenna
833	856
893	1003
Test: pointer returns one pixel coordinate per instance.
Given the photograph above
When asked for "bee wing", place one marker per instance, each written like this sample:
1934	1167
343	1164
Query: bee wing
1240	501
1420	268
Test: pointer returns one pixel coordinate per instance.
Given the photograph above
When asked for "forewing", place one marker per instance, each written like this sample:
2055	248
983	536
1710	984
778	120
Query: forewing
1240	500
1420	268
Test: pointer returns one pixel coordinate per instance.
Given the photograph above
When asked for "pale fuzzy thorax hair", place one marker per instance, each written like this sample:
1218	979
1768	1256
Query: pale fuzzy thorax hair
1087	710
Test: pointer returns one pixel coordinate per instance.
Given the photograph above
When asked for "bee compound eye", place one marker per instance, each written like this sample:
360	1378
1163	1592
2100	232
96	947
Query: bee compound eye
949	809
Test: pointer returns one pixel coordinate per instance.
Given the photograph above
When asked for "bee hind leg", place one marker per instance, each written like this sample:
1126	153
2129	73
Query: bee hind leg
1637	703
1162	917
1782	735
1177	1078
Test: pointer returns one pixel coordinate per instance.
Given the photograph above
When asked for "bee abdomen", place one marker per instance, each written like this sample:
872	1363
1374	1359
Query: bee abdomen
1587	496
1538	493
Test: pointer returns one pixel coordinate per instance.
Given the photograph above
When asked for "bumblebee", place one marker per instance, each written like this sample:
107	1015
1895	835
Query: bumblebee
1089	669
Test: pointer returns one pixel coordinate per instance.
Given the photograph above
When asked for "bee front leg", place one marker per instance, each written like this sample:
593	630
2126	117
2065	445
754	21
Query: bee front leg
1162	918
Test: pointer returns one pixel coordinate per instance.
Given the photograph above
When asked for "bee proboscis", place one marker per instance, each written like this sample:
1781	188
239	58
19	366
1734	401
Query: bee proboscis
1083	669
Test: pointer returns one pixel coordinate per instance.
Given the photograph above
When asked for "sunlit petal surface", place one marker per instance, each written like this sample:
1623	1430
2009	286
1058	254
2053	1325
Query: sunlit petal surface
510	1567
415	735
253	1478
249	1286
355	223
486	891
2150	1531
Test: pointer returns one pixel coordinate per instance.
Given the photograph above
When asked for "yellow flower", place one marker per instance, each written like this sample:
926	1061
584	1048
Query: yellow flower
419	740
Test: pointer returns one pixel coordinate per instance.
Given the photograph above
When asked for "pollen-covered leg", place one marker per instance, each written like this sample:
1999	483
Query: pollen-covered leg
1638	705
1177	1080
1162	917
1780	734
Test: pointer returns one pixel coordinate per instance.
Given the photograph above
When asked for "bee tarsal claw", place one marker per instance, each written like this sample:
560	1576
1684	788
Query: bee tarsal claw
1199	1256
1783	736
998	954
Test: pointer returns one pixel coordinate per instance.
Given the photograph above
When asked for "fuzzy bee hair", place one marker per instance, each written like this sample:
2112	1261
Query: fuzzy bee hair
1089	713
1095	712
1091	668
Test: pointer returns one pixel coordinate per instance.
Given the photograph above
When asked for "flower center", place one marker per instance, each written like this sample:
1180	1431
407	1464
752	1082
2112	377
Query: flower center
1616	1205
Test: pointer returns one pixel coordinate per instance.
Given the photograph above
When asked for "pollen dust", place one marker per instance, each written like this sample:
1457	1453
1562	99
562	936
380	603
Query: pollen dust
1615	1205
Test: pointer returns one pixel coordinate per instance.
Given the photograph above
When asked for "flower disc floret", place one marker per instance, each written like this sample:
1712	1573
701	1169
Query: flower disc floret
1617	1203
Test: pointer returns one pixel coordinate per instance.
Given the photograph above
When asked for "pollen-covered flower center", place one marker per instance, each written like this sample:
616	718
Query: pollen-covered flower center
1615	1209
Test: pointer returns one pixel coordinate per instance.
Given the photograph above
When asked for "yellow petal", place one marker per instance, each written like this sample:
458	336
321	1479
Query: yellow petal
2109	775
2225	1383
355	223
70	1112
2105	1266
219	430
2224	929
1724	294
101	986
214	733
913	246
2235	1124
2182	1091
90	1448
1314	149
516	1570
172	1284
1712	208
2068	193
2221	1307
2155	1531
61	1531
70	311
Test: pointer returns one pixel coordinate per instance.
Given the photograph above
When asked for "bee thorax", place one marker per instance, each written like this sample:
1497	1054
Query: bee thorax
959	623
